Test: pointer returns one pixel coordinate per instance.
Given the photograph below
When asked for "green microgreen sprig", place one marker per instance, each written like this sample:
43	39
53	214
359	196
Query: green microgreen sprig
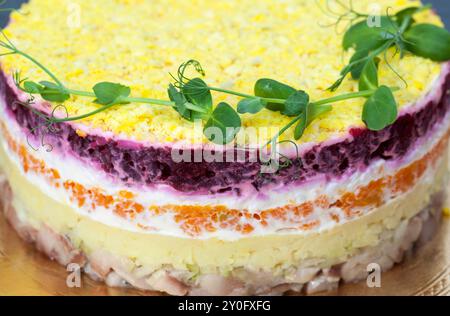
371	41
193	98
268	94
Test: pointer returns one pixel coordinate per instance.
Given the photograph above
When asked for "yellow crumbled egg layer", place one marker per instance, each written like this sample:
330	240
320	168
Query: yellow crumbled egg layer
138	43
446	211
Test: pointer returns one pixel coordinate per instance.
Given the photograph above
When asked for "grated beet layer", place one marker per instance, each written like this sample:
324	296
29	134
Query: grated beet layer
135	164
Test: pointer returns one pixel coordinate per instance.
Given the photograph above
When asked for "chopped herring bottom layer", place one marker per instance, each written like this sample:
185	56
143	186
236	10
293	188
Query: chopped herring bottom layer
308	277
305	209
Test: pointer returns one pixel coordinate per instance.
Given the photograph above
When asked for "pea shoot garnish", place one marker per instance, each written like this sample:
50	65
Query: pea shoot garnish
370	42
193	99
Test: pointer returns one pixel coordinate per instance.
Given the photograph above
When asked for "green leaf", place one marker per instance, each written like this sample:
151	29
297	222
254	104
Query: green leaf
337	83
49	85
380	110
301	127
251	105
357	68
197	92
52	92
363	36
32	87
405	17
311	113
296	103
428	41
269	88
369	75
110	93
180	102
223	124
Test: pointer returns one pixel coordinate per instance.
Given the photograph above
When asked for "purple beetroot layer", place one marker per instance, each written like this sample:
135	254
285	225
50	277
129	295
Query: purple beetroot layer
144	165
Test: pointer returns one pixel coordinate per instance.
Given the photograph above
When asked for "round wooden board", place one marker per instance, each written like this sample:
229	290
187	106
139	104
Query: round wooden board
25	271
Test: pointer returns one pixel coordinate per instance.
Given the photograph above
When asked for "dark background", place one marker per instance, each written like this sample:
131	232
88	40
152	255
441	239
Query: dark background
442	6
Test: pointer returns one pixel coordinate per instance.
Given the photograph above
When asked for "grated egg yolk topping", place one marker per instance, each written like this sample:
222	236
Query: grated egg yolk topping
138	43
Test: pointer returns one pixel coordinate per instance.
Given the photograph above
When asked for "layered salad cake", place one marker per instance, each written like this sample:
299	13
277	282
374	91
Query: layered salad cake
119	184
